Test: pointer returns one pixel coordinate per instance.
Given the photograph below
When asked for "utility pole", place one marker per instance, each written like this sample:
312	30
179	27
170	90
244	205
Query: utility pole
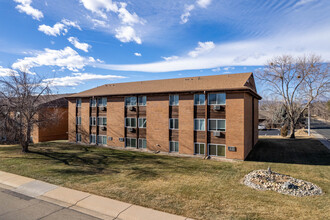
309	120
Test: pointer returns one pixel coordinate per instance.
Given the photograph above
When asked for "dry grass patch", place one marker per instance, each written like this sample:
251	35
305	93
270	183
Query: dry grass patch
191	187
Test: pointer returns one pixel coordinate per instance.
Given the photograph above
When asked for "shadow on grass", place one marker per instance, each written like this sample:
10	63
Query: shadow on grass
295	151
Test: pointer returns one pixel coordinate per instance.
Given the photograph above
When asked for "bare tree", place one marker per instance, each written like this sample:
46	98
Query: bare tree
24	98
297	81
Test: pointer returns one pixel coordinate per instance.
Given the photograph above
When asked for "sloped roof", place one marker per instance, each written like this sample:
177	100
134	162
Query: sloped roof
201	83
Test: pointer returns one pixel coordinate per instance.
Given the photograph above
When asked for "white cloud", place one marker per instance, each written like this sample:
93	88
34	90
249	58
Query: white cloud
303	2
138	54
127	34
66	58
99	6
79	78
203	3
7	72
241	53
186	14
24	6
126	17
78	45
170	58
218	69
203	47
58	28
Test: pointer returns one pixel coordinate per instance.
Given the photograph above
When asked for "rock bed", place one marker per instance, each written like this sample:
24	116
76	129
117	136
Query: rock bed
269	180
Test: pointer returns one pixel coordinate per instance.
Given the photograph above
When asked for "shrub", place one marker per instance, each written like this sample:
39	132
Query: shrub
284	131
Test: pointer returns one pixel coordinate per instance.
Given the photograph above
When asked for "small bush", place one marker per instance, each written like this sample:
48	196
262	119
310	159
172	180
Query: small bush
284	131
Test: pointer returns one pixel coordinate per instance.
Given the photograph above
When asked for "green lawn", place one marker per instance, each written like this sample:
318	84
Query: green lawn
192	187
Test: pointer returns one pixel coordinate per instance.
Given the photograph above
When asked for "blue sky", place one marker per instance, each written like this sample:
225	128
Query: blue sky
79	44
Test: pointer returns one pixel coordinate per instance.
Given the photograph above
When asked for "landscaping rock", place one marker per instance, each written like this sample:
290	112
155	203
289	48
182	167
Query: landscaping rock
269	180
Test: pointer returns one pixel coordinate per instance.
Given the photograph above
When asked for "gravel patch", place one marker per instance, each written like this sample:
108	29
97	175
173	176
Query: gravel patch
269	180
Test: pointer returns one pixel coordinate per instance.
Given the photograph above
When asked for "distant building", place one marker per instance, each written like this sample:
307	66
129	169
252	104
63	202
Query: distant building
47	131
207	115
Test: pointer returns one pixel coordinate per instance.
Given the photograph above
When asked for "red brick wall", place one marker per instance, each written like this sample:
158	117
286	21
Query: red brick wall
158	123
116	121
235	125
72	120
186	124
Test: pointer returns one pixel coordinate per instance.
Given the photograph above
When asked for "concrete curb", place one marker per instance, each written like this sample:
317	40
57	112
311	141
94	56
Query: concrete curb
90	204
322	139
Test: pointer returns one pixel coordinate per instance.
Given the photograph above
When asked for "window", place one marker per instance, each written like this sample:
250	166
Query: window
130	142
130	122
101	121
130	101
217	125
174	123
174	146
102	102
142	100
174	100
142	122
78	120
199	99
92	139
199	124
217	99
199	148
78	102
92	121
142	143
78	137
93	102
102	139
217	150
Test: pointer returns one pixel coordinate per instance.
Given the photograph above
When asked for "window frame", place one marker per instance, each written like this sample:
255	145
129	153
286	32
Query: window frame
90	139
195	119
102	103
216	119
139	98
130	142
142	139
176	95
90	121
78	122
198	94
78	135
129	97
176	142
91	102
208	146
130	118
208	98
199	148
78	102
102	125
145	124
102	136
173	124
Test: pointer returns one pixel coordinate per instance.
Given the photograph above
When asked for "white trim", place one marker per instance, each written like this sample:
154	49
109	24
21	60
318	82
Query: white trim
208	149
169	124
208	124
136	143
208	98
136	103
199	149
90	142
90	102
204	99
136	122
199	119
97	140
101	125
78	106
138	100
170	147
169	99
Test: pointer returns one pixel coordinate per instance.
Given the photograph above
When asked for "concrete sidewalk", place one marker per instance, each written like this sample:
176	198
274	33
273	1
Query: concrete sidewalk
90	204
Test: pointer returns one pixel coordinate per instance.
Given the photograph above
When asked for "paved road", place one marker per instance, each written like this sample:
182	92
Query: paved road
321	127
269	132
15	206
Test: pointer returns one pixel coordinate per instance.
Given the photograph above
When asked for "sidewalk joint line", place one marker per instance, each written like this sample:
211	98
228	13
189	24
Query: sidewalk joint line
123	211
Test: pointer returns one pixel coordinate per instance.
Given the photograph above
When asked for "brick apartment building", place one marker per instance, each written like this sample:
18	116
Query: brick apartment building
207	115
